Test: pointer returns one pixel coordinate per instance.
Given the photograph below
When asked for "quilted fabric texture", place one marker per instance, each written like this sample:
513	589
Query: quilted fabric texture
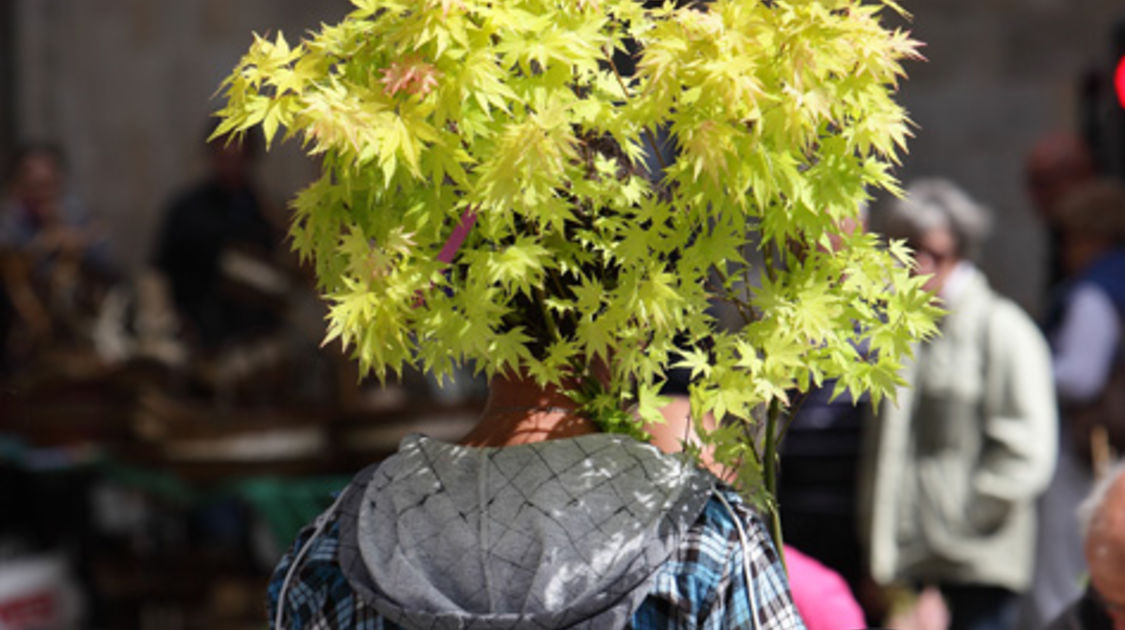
549	533
599	531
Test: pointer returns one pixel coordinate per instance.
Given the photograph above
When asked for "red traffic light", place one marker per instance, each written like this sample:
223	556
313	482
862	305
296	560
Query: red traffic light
1119	81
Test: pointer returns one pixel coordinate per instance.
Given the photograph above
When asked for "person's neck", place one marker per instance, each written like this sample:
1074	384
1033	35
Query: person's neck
518	411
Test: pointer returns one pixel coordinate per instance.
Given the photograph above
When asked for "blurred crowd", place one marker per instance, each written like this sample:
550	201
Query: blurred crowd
167	429
954	505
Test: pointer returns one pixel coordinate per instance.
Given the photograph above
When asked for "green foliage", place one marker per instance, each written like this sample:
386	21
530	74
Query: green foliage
424	110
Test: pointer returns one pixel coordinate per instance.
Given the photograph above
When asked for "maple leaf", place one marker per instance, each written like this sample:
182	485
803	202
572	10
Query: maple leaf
448	5
411	75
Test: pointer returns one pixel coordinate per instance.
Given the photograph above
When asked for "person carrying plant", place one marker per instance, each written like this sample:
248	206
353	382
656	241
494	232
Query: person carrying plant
485	198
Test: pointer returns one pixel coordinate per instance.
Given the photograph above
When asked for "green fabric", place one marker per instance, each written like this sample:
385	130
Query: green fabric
288	503
284	503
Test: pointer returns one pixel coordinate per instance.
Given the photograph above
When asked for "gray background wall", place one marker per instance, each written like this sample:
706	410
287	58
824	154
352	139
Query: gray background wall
124	86
999	74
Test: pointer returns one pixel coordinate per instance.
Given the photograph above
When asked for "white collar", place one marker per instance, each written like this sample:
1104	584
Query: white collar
955	283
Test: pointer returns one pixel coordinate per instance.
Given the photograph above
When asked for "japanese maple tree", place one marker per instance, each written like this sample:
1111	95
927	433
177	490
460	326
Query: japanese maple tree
509	125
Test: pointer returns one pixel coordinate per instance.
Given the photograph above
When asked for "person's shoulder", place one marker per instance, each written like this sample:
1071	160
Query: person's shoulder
729	529
713	546
755	583
726	510
315	587
724	572
1006	309
1009	320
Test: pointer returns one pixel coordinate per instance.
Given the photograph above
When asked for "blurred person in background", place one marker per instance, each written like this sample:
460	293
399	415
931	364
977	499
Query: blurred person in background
821	595
1085	330
1102	519
1057	163
42	218
54	262
209	229
1085	321
953	467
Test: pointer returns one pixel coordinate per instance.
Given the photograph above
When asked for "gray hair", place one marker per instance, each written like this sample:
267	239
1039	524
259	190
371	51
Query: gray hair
1089	507
932	203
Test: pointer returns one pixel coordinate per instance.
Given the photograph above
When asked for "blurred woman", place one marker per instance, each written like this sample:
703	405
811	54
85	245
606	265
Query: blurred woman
956	463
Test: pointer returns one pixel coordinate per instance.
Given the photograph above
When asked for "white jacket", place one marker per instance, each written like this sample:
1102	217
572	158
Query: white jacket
951	472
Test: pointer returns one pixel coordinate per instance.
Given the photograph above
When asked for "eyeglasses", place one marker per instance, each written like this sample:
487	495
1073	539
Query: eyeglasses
920	250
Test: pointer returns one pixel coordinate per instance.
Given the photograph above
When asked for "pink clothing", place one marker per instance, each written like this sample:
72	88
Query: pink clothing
821	595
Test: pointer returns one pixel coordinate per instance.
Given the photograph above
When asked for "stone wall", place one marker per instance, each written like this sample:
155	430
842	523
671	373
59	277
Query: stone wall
999	74
124	85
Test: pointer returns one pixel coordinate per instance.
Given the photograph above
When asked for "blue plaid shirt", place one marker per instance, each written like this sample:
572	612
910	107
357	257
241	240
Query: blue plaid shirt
702	585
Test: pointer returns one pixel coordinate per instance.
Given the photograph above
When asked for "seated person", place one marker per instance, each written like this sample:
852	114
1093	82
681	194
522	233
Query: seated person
54	263
216	218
